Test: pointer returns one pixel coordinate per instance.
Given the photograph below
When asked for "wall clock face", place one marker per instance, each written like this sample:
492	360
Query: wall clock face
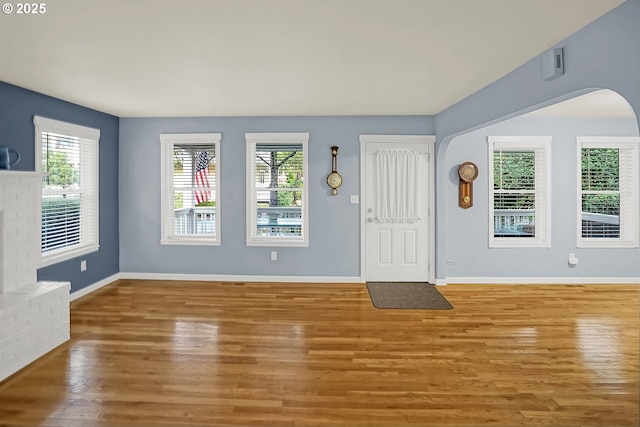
468	171
334	180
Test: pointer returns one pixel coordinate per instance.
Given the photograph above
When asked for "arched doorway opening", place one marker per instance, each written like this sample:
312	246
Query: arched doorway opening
572	127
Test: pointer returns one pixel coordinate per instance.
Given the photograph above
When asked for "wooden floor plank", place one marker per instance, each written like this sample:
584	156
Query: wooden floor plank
299	354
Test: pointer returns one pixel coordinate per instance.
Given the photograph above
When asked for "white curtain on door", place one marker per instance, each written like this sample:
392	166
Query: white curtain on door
397	177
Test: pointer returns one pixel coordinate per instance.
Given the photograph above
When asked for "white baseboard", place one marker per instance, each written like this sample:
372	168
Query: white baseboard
544	280
350	279
211	278
241	278
88	289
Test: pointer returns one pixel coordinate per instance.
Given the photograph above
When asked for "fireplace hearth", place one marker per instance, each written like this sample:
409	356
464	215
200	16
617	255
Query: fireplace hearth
34	316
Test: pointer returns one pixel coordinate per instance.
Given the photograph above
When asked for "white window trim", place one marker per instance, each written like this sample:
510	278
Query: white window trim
517	143
167	181
284	138
631	198
43	124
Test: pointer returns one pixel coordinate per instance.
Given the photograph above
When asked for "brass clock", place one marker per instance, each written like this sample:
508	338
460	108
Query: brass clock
468	172
334	180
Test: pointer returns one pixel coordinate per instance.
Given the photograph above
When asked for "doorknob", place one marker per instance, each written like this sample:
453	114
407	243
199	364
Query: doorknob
369	219
369	210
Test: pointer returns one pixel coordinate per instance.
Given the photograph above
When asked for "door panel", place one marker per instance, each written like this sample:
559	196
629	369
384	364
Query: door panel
396	251
385	247
410	242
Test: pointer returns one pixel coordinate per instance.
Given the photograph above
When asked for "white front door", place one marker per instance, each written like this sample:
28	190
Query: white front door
396	250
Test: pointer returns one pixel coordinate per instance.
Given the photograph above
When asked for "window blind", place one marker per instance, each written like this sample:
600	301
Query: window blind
190	188
519	187
600	170
608	182
69	204
515	192
276	194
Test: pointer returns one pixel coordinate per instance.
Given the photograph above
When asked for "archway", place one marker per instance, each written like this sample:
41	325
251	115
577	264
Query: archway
465	256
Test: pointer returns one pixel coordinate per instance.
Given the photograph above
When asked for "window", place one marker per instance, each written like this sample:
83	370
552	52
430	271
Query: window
276	193
518	191
190	190
67	155
608	187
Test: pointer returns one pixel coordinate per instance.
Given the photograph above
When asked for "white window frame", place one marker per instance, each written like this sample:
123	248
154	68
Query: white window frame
629	199
285	138
541	146
89	241
168	141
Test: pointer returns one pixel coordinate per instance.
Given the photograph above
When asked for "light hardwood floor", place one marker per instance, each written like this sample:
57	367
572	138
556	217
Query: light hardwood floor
152	353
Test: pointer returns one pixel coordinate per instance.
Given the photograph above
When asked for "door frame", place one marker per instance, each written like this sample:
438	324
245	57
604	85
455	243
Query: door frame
429	141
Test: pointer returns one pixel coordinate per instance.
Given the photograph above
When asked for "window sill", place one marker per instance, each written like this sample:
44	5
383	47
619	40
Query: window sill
65	255
518	243
190	242
278	243
607	244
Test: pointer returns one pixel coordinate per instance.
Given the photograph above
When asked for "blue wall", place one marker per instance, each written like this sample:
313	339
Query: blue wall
467	229
604	54
17	108
334	240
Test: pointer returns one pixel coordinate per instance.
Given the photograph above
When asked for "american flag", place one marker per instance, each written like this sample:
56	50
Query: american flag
202	177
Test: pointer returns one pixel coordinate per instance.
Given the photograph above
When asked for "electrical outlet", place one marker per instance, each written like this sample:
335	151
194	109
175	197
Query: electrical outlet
355	199
83	265
572	259
274	256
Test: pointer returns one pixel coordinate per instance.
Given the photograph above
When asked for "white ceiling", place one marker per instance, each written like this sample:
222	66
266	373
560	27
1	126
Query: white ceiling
147	58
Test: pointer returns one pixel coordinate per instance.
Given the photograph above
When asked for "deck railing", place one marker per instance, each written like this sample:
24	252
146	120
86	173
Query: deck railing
196	220
521	223
518	222
270	220
600	225
279	221
288	220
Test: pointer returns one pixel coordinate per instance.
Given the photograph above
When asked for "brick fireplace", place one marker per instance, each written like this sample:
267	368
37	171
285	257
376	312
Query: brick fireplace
34	316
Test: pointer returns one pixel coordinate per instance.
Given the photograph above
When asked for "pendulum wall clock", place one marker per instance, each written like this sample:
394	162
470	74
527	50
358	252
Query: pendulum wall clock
468	172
